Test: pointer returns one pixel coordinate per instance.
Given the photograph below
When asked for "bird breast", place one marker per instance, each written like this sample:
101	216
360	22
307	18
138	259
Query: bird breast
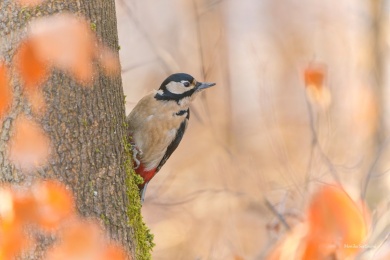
154	125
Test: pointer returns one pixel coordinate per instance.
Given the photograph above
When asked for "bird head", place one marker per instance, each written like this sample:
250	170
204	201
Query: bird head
181	88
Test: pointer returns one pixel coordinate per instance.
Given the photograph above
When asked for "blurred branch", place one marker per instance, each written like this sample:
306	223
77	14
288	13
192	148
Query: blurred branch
316	144
377	21
277	144
201	57
193	196
167	61
199	38
135	66
373	166
310	163
277	214
377	248
213	3
217	48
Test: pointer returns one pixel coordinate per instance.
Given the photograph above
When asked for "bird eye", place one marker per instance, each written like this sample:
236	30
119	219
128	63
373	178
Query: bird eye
186	84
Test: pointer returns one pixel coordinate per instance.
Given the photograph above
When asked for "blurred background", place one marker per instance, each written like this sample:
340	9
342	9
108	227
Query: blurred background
260	140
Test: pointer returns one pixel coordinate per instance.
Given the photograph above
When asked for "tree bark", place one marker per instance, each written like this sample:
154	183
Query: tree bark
86	126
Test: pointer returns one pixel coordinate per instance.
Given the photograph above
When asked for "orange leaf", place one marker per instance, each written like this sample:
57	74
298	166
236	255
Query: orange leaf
32	69
113	252
29	2
109	61
5	91
12	239
24	207
54	204
82	236
79	240
7	213
29	145
314	75
67	42
335	221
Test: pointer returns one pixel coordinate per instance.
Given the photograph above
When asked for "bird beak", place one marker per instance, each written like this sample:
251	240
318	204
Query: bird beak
203	85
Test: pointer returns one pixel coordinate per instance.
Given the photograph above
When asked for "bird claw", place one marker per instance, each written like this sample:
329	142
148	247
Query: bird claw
136	152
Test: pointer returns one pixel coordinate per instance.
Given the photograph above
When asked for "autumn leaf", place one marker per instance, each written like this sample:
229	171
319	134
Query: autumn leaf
12	239
49	206
314	77
5	91
113	252
335	226
83	240
79	240
29	145
335	221
29	2
54	204
6	205
108	60
24	207
66	42
33	70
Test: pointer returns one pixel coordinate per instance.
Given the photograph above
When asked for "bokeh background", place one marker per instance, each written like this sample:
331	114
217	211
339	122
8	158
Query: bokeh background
256	142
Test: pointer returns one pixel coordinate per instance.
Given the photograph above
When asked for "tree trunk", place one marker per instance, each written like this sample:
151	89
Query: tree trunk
86	126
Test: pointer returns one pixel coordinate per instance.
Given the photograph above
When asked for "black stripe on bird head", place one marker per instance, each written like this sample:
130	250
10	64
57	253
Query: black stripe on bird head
179	86
177	77
176	87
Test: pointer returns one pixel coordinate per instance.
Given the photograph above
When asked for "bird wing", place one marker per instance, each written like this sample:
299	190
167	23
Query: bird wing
175	142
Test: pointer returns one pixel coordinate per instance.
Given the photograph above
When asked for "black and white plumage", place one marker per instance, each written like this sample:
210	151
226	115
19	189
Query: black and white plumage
158	122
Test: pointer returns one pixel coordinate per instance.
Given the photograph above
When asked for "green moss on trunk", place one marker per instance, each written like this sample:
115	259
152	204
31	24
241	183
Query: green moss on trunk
143	238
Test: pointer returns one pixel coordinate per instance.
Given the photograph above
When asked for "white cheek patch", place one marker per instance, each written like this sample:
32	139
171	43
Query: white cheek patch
177	88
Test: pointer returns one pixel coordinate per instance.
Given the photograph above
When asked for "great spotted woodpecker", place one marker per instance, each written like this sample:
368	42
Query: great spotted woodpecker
158	122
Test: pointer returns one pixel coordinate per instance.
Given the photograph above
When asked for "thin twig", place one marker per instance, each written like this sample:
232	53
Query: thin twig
199	38
193	196
168	63
315	140
277	214
370	173
380	245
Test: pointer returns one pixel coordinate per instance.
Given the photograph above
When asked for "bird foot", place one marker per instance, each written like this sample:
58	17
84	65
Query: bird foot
136	152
